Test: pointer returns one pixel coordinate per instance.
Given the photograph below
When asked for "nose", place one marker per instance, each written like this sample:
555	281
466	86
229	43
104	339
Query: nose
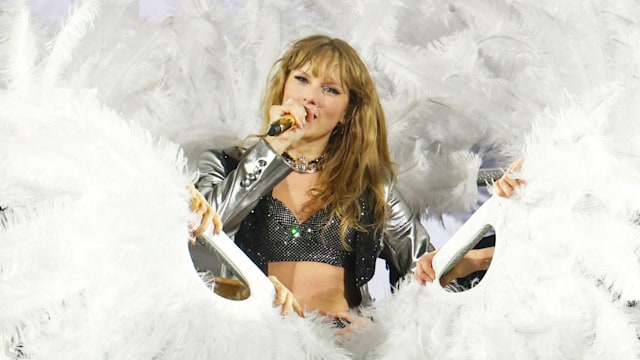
313	96
309	100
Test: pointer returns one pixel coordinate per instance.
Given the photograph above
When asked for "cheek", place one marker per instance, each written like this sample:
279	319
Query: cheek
285	94
288	90
338	109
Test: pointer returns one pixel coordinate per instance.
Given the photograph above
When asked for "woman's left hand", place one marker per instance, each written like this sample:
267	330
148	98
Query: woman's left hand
474	260
200	205
424	271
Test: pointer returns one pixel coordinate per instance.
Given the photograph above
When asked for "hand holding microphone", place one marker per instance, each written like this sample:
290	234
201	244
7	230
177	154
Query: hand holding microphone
281	125
291	114
287	129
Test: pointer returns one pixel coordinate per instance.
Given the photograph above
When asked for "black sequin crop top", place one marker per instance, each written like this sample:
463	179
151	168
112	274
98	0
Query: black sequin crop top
278	236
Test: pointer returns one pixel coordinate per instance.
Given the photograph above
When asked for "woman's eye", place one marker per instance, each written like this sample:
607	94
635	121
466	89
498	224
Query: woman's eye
301	78
332	90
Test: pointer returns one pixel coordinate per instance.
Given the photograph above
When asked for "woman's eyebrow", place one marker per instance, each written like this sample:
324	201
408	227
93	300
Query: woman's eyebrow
332	80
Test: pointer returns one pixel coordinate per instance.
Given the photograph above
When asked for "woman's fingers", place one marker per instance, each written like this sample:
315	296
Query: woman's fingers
516	165
424	271
207	218
281	294
290	303
503	187
298	111
200	205
506	186
421	274
296	306
196	198
284	297
289	107
287	304
447	278
217	223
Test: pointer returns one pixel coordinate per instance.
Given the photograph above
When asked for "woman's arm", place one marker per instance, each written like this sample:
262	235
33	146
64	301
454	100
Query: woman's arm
233	183
477	259
405	239
474	260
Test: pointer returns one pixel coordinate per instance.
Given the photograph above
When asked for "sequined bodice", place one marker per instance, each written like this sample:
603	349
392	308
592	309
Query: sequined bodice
313	240
280	237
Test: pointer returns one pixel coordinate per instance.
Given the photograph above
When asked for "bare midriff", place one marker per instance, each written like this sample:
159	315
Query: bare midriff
316	286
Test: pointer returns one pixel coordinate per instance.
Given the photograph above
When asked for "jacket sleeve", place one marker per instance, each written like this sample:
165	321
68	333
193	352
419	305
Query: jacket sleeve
233	182
404	239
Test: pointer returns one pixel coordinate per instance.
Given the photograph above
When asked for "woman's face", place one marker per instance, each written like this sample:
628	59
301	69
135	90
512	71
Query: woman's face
324	97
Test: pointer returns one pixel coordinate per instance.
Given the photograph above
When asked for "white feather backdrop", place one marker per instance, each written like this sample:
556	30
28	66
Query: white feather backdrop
102	118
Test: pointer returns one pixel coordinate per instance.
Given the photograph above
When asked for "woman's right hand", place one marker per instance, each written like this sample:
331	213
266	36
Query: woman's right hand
201	206
285	298
289	107
281	142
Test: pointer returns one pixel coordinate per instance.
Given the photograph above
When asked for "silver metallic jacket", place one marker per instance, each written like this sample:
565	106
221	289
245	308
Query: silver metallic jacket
234	181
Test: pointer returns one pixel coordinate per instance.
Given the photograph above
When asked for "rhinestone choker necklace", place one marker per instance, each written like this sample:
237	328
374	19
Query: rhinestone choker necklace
301	165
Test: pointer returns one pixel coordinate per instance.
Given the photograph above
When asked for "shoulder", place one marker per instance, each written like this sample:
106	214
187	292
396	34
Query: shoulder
389	185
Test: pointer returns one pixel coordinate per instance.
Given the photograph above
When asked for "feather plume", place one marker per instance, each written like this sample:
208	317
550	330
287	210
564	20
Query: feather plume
65	42
20	47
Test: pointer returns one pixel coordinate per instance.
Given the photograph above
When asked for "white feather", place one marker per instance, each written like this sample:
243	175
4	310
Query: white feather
66	41
20	47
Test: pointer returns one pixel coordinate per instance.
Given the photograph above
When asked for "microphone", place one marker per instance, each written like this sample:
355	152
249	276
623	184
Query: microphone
281	125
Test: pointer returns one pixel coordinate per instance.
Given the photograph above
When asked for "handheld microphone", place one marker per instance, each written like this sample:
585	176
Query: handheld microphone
281	125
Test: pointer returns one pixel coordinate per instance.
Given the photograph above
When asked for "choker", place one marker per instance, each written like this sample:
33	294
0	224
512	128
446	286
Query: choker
301	165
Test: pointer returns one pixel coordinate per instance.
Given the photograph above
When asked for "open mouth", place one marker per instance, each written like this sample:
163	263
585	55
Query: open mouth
311	115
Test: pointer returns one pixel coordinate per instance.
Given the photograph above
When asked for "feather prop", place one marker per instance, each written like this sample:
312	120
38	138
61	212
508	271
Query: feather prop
565	269
93	167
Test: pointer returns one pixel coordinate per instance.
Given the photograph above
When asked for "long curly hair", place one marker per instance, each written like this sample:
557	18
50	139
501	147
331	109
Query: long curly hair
357	161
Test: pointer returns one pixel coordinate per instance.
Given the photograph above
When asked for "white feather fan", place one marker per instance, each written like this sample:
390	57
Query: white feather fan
94	252
564	281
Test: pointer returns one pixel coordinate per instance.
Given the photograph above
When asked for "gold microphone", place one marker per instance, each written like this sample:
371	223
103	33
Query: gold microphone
281	125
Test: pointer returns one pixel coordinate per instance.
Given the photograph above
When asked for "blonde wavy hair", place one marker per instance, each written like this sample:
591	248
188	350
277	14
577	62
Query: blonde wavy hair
357	161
